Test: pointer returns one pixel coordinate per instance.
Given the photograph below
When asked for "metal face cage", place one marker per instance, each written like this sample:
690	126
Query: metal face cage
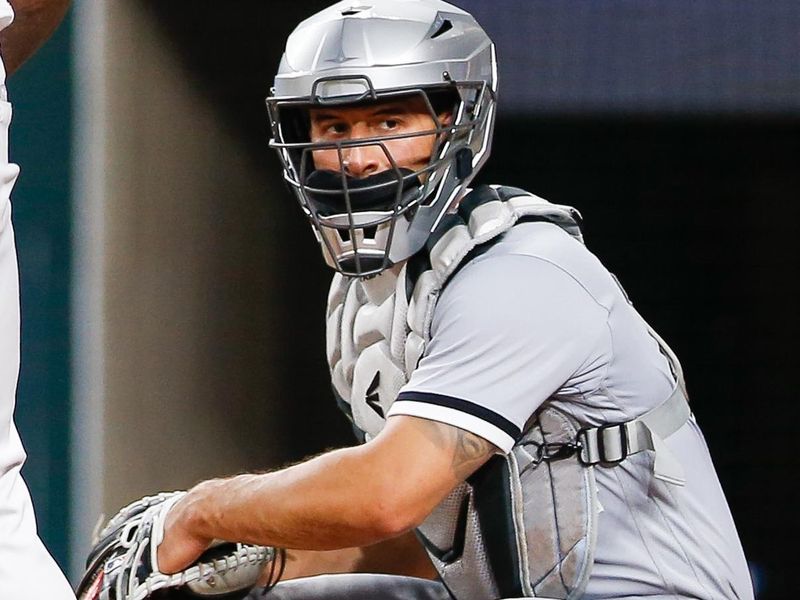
361	237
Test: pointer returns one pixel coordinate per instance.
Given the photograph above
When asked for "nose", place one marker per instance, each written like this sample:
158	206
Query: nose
363	161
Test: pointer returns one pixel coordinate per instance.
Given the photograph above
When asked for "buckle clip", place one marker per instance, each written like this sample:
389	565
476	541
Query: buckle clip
607	445
549	451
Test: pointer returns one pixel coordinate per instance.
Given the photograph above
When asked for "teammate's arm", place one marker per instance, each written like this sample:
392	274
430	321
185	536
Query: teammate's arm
34	22
346	498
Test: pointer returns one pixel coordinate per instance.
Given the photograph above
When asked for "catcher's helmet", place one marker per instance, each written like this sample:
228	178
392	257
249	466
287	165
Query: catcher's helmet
360	52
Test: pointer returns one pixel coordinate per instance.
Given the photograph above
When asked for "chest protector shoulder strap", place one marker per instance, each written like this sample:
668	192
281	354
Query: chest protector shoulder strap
377	328
524	525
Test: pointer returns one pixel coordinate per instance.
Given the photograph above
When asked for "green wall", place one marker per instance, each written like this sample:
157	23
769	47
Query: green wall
41	93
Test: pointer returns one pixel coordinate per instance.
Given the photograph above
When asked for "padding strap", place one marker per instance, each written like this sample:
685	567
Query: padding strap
611	444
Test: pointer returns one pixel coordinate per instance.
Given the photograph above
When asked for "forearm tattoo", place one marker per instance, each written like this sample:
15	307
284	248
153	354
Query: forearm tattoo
468	451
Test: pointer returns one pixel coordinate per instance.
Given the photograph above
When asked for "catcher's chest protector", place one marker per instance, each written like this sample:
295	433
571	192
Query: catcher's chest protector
520	526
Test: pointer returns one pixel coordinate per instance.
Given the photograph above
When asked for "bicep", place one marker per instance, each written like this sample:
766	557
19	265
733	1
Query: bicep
455	452
422	460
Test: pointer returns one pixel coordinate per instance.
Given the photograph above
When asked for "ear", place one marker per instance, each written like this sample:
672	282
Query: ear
446	118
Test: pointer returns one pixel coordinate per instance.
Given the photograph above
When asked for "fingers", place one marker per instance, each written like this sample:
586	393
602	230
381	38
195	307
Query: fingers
179	547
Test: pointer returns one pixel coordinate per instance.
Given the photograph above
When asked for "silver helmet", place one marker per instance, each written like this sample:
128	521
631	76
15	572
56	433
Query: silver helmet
358	52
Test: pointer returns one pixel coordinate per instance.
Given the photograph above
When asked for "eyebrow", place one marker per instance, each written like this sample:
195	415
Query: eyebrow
392	109
324	116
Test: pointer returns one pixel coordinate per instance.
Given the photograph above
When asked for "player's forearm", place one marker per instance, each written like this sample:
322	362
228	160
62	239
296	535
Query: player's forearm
34	22
346	498
333	501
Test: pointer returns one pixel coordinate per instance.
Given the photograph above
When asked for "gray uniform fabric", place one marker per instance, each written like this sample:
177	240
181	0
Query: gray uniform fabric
356	586
538	318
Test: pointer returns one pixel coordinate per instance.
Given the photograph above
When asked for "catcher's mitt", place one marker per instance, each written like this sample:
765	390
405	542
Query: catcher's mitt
123	563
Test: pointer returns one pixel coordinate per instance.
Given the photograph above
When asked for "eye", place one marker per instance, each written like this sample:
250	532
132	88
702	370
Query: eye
390	124
339	128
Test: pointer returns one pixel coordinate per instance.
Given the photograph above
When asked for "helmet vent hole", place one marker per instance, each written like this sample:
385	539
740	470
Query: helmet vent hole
354	10
446	26
370	232
344	234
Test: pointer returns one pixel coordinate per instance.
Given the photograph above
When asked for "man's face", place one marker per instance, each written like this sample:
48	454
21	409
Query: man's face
386	118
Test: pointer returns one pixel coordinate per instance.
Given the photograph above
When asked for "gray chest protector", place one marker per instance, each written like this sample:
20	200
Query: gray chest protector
524	525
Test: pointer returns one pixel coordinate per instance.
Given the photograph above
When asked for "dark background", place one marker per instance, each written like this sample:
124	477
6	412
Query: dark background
692	200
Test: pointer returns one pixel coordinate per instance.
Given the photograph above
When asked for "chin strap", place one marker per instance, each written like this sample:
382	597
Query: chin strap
329	191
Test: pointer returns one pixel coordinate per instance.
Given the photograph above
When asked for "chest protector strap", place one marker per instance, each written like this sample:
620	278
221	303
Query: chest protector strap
524	525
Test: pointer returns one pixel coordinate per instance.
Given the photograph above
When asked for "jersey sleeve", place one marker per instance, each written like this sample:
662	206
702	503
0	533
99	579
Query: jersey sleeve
507	333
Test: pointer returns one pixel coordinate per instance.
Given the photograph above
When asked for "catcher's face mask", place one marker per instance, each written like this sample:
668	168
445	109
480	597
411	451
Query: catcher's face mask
381	115
361	169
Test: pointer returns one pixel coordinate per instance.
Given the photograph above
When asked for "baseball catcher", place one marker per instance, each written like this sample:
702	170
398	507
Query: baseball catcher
523	432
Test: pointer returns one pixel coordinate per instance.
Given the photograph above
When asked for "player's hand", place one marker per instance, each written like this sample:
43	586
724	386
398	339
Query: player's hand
125	562
180	546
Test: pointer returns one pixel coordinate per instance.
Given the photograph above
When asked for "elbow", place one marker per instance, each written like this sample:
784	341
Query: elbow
388	523
394	513
391	523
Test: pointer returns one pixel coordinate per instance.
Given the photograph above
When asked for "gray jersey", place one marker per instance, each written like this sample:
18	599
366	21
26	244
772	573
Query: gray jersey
538	318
